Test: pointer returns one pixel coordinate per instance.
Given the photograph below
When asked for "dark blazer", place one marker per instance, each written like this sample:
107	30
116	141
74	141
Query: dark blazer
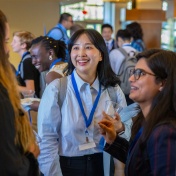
157	158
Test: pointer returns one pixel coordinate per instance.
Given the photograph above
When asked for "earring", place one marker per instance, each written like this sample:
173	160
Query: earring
50	57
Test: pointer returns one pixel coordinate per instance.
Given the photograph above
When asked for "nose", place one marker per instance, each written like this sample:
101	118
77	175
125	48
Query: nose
131	78
81	52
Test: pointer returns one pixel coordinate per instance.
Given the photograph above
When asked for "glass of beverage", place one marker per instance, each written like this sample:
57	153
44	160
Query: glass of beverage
28	94
112	107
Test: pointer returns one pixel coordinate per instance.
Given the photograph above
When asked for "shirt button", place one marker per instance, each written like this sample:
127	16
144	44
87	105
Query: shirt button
89	158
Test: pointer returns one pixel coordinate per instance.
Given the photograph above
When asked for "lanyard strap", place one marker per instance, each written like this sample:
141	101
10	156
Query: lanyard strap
88	121
19	66
54	62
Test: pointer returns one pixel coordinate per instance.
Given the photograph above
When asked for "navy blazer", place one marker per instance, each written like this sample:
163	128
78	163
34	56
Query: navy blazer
157	158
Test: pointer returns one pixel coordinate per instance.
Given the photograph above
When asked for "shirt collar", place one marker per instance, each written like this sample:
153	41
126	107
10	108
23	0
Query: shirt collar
81	83
61	26
109	41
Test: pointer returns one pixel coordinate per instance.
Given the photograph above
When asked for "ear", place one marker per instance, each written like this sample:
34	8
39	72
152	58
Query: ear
51	52
100	57
23	46
162	84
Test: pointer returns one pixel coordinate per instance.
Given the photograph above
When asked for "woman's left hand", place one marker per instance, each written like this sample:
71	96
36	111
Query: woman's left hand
107	128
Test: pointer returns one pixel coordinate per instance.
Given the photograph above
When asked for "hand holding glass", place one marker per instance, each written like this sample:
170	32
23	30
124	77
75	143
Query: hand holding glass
111	108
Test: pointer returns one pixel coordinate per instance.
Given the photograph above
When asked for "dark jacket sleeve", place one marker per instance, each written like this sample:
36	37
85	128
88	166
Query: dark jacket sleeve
118	149
12	162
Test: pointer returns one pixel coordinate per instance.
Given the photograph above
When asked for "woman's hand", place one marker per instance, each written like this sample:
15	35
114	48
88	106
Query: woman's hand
34	106
107	128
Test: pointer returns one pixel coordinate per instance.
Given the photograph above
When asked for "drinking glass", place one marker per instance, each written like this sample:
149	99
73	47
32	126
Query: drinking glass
112	107
28	94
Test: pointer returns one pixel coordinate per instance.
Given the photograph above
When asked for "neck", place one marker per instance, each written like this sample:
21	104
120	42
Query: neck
22	52
87	77
145	108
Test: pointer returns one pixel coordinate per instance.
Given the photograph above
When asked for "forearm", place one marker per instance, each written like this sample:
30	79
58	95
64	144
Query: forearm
118	149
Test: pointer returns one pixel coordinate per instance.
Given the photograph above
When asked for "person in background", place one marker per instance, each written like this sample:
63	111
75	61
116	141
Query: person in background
123	40
137	36
151	152
118	55
72	129
48	54
59	32
27	75
17	139
106	32
74	28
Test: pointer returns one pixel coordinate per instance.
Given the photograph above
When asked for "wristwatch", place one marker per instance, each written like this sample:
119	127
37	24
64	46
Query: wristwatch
121	132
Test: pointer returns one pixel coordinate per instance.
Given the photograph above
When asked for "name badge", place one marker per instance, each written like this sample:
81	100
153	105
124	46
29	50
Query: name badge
87	145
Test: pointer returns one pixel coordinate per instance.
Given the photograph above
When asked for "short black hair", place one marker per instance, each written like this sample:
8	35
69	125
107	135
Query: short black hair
106	26
64	16
135	29
124	34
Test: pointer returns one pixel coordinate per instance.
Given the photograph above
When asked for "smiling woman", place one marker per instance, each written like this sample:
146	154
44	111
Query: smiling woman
74	125
153	87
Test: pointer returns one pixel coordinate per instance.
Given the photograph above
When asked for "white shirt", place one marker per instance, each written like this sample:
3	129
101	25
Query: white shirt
68	130
116	57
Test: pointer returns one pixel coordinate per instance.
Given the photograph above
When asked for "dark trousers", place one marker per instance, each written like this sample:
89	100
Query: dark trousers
87	165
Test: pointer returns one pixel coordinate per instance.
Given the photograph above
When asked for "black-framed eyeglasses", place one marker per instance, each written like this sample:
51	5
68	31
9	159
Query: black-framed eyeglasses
139	72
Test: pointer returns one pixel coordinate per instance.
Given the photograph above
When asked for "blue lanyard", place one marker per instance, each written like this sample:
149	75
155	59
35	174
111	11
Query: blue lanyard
19	66
88	121
54	62
135	140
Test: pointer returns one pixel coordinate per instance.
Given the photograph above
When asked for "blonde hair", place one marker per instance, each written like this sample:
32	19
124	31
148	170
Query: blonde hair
24	134
25	37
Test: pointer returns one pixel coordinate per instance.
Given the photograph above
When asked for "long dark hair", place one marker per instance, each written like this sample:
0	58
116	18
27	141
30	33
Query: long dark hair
48	43
23	132
163	108
105	74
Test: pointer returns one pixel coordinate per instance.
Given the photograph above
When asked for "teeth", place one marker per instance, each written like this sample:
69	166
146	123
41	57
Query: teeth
82	61
133	88
37	66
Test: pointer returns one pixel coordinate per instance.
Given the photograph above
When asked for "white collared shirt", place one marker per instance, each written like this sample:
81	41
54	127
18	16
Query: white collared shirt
64	133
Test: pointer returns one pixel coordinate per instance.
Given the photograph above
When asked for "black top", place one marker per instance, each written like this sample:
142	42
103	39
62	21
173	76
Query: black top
12	162
30	73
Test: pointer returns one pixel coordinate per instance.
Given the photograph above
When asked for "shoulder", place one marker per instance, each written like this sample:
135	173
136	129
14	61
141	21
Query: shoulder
114	52
162	133
28	62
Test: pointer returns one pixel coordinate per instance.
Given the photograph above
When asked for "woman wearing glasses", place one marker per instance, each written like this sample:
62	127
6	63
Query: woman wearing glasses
153	87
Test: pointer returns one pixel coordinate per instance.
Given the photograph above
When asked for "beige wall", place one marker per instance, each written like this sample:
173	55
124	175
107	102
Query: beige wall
30	15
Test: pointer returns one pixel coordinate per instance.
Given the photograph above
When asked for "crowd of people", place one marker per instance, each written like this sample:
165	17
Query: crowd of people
82	73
